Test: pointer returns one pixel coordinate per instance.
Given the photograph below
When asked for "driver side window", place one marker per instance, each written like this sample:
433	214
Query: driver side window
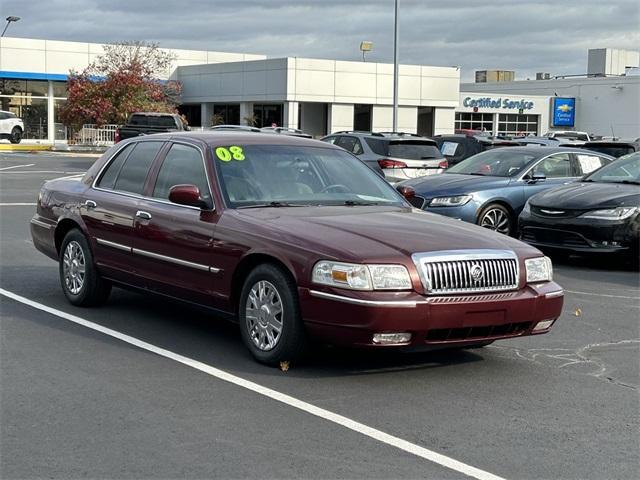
182	165
554	166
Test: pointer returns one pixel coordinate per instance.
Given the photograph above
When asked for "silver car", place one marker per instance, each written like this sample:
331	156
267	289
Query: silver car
396	156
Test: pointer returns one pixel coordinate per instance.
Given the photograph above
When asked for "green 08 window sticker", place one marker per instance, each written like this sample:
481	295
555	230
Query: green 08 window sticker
226	154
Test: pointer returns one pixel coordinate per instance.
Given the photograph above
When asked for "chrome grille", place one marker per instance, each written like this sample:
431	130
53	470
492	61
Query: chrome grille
467	271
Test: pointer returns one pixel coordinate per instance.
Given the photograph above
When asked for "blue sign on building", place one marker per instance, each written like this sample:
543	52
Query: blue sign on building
564	112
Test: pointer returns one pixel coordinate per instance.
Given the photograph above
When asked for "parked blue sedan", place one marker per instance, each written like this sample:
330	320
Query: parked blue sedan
491	188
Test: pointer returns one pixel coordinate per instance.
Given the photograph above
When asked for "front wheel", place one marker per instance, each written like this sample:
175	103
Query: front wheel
497	218
79	277
16	135
269	314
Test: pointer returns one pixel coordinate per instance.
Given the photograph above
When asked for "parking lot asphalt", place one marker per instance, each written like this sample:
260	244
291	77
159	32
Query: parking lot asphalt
76	403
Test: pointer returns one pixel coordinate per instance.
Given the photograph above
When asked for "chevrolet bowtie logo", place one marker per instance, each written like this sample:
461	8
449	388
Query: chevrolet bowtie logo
565	108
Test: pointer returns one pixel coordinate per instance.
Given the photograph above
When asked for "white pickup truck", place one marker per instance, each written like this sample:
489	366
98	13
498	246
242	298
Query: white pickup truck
11	127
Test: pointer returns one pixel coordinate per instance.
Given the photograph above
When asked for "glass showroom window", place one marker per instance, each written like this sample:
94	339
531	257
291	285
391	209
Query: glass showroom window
474	121
268	115
517	125
32	111
60	128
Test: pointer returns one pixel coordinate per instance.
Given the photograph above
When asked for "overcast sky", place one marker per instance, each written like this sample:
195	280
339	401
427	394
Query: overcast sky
526	36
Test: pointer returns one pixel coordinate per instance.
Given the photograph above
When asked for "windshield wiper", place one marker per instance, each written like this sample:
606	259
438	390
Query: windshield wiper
352	203
273	205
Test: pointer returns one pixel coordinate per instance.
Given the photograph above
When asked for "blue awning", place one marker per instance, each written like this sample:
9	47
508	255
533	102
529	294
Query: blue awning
34	76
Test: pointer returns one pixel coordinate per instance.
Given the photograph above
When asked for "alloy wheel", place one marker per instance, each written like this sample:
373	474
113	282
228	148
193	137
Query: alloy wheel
497	220
73	267
264	314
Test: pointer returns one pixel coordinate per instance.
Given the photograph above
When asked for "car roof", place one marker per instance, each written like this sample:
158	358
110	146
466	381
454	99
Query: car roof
240	137
545	150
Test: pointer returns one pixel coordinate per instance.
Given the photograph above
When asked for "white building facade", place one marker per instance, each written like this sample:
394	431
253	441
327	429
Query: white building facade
33	78
322	96
607	106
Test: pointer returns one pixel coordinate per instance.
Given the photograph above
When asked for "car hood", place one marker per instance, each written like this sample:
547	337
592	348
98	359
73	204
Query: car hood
586	195
454	184
370	234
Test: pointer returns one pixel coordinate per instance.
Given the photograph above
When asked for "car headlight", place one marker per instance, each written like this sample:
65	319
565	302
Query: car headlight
361	277
456	201
539	269
619	213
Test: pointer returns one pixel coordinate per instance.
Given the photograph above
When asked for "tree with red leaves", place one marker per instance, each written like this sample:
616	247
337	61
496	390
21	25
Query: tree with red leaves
123	80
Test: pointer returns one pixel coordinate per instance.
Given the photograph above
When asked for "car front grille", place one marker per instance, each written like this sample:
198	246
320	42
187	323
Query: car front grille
416	201
468	333
467	271
548	236
555	212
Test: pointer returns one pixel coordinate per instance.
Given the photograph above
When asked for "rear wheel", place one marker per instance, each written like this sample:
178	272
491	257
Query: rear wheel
497	218
270	320
16	135
79	277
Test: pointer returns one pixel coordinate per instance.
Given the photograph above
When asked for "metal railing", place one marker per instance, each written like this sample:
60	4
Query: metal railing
90	134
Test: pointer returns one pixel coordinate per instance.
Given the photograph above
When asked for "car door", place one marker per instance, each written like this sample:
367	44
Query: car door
4	123
109	207
173	243
558	169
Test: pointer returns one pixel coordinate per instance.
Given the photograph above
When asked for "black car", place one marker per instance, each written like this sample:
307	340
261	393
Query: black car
615	148
456	148
600	213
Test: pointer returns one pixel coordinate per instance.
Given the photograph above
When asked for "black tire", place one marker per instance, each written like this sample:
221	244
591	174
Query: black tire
494	212
16	135
93	290
291	342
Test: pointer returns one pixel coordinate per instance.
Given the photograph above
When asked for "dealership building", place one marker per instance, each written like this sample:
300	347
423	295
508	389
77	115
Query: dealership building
320	96
325	96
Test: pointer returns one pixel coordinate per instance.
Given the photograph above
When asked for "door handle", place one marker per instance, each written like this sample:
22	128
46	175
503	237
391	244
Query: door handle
143	215
90	204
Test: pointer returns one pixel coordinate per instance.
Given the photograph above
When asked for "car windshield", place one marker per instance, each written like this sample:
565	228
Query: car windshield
413	150
282	175
503	162
624	170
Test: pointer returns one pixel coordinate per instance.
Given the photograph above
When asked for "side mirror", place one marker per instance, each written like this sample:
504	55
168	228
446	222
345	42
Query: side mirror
406	191
536	177
186	195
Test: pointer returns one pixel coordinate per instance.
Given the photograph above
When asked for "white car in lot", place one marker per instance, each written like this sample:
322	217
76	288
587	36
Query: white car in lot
11	127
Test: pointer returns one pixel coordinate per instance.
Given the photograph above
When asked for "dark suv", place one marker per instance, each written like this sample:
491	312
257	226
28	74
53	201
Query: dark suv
395	155
459	147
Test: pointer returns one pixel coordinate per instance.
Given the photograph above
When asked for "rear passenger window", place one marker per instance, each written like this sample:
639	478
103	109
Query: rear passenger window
182	165
108	179
589	163
136	167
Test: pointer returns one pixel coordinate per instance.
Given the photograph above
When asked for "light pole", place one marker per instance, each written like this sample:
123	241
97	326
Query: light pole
9	20
395	68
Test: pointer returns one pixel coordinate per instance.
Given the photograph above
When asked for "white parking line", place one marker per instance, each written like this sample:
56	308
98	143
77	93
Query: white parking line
602	295
16	166
358	427
17	204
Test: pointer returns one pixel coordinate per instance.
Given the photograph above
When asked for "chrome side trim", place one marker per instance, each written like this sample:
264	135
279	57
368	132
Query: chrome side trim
371	303
115	245
41	224
165	258
558	293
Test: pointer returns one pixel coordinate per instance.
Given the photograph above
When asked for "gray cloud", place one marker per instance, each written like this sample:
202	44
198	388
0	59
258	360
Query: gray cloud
545	35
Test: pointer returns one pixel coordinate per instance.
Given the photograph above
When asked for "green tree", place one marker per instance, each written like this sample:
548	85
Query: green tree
123	80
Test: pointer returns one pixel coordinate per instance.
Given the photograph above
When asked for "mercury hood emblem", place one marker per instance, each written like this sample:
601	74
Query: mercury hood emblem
477	272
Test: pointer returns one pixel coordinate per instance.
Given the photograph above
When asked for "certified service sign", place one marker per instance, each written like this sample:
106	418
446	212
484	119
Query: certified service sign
564	112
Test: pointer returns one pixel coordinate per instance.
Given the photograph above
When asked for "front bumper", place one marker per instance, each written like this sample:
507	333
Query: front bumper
580	234
351	318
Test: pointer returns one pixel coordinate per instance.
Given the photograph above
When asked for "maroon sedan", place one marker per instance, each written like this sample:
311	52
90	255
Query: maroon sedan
296	238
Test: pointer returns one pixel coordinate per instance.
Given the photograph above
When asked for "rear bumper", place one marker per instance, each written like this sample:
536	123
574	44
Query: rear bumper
43	236
395	175
351	318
